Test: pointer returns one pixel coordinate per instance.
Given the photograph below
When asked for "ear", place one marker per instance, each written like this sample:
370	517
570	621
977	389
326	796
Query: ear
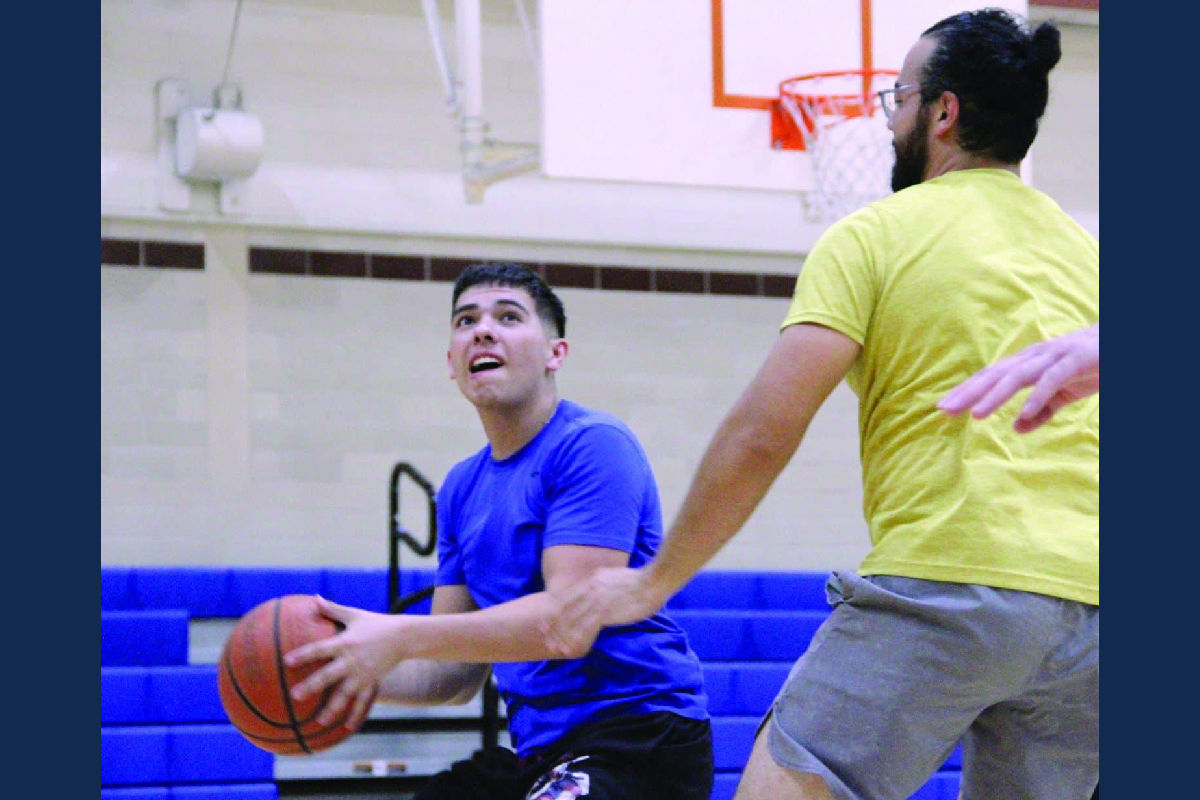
945	114
450	365
558	354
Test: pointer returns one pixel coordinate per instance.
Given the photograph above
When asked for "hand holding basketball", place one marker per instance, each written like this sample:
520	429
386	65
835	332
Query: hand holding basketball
255	685
347	669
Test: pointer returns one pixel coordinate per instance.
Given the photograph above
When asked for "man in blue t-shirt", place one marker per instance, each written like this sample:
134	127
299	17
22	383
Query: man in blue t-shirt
559	491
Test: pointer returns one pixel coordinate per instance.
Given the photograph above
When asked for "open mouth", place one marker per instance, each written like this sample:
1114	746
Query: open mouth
483	364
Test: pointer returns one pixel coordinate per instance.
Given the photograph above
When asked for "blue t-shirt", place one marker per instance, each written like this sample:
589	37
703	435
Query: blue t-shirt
583	480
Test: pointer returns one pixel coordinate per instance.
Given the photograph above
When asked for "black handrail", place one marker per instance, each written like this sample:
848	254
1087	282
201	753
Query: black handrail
490	721
398	534
490	732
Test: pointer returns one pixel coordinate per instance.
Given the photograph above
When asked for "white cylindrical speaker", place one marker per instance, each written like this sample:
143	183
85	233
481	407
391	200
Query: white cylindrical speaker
217	144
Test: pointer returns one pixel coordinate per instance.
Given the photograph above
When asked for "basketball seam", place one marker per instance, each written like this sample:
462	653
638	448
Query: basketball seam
246	701
287	695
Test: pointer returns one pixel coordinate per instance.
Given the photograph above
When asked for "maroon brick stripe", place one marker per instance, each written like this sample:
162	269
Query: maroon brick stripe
415	267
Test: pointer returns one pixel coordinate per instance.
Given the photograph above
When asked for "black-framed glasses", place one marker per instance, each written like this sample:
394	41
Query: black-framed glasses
887	98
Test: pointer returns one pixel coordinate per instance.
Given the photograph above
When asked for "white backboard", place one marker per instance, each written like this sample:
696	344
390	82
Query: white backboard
678	91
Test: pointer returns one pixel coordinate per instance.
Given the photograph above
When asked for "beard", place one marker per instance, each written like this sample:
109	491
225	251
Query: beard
912	156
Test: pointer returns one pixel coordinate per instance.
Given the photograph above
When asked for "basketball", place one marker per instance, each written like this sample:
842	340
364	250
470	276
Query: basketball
254	683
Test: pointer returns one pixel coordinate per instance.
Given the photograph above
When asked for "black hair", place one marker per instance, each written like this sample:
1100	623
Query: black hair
545	302
999	70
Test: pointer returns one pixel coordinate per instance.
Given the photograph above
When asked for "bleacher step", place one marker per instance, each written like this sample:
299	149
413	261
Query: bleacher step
380	755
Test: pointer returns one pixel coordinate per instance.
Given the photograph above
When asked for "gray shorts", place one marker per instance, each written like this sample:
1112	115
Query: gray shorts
905	669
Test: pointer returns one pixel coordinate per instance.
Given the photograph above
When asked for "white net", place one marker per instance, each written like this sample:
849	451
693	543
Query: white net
846	134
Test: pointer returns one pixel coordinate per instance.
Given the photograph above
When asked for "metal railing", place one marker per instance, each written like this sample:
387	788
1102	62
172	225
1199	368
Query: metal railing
398	535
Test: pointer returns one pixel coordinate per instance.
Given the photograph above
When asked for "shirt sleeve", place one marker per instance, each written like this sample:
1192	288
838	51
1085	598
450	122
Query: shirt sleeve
838	286
449	568
598	488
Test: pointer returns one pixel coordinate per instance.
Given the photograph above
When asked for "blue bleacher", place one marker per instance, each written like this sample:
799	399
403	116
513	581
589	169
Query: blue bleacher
161	695
763	591
742	634
243	791
144	637
164	735
163	732
227	592
179	754
739	688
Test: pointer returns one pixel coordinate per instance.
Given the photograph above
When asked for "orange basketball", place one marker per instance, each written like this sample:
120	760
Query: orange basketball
254	683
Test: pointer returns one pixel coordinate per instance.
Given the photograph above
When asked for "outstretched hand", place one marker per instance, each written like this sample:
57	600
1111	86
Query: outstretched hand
1060	370
610	596
357	659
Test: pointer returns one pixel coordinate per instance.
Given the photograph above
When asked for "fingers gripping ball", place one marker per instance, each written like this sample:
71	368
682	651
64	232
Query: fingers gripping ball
254	683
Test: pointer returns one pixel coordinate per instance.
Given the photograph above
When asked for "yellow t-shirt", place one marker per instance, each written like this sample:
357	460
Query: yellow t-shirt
936	282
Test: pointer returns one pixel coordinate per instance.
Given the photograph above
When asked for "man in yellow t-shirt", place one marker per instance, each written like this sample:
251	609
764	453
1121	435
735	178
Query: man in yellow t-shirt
975	616
994	266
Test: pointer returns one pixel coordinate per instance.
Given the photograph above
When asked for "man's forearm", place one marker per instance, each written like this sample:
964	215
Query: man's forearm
502	633
422	682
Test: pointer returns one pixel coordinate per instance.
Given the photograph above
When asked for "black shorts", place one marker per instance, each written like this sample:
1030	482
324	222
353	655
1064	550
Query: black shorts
659	756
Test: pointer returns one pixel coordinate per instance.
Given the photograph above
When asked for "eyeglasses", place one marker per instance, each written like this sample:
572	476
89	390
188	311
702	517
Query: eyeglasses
887	98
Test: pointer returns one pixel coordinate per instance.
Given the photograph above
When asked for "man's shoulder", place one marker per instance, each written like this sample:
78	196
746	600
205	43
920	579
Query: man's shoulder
595	436
579	419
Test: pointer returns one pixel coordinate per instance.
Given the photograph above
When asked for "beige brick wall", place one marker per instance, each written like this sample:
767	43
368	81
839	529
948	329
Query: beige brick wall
255	419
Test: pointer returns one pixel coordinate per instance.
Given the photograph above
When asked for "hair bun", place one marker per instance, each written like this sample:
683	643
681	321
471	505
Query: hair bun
1046	48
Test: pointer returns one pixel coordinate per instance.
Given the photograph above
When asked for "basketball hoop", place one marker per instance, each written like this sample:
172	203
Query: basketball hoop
836	117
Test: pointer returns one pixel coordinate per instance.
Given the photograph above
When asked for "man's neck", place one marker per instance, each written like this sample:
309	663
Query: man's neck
509	429
953	159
